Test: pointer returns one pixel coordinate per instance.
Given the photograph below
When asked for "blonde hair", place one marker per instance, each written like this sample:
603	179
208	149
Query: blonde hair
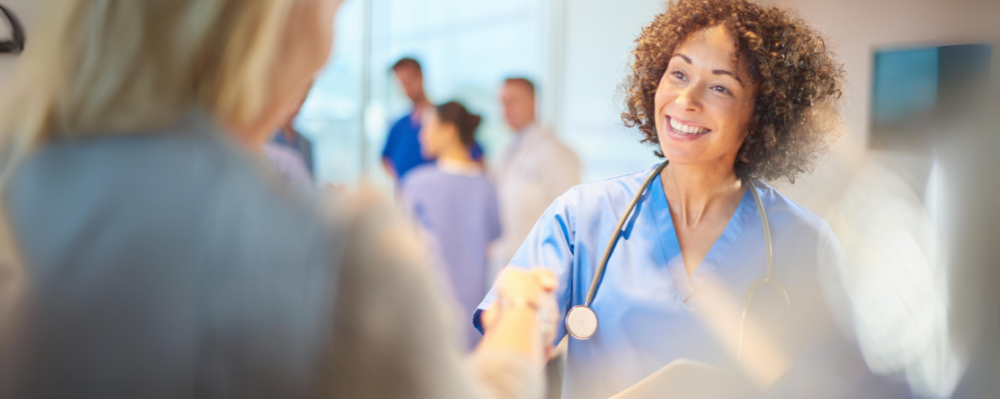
116	66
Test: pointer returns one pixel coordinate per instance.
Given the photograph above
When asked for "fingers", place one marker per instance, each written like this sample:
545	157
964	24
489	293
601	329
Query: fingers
539	277
489	317
545	279
536	285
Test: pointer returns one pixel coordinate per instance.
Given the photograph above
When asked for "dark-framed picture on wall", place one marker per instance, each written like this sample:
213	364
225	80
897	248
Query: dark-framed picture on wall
12	42
913	87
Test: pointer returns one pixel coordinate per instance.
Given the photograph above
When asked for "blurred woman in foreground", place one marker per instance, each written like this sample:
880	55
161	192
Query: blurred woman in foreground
161	260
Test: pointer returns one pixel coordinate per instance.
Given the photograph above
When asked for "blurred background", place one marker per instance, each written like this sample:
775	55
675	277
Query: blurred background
577	53
895	163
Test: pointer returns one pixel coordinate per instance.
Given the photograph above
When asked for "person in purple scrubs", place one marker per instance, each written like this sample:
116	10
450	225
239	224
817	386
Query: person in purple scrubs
402	152
455	202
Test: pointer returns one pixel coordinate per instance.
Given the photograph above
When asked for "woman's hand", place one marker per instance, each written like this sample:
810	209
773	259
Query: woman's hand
524	316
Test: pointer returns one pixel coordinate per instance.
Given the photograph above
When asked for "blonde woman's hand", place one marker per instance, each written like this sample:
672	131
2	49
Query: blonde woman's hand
525	300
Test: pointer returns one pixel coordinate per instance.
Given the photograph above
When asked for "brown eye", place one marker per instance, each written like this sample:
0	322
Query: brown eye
722	90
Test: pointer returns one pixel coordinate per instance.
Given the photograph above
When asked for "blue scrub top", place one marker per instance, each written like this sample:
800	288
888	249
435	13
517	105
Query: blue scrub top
649	309
402	147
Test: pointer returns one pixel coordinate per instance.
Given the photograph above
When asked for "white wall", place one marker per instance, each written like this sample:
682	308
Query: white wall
598	40
27	12
856	29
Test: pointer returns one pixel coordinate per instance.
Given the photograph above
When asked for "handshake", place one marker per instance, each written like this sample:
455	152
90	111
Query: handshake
524	316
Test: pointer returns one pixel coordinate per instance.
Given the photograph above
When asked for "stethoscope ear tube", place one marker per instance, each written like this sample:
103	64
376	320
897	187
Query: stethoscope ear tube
581	321
768	281
599	274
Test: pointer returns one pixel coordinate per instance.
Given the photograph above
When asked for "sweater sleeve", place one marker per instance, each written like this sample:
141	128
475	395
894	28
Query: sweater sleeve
394	333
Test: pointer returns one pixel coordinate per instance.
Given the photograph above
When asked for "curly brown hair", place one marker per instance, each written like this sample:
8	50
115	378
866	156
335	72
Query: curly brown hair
796	109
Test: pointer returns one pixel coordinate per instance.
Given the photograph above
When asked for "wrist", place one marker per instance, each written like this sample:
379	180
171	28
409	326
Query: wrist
515	329
508	304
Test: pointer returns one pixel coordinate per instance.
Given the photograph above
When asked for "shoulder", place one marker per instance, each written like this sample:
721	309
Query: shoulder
421	175
280	153
485	184
789	218
122	161
404	122
547	141
612	193
204	192
626	185
780	205
422	172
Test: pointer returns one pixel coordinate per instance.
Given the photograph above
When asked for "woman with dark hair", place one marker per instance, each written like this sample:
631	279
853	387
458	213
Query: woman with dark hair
455	203
731	93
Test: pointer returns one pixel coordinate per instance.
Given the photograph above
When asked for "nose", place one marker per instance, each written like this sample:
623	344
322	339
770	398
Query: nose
689	98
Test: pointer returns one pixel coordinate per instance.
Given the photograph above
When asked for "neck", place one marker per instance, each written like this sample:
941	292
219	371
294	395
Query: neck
422	102
524	126
250	137
288	132
458	154
693	190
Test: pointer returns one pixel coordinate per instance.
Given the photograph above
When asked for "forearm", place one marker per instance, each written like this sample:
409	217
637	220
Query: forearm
517	331
392	338
506	375
507	361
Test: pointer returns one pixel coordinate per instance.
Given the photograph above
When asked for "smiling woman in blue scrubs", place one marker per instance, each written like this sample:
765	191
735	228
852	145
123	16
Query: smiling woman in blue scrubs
732	92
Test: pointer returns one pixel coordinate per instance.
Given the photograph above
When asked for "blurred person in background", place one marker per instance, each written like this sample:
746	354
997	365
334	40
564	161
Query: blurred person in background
291	154
402	146
533	171
731	93
161	262
456	203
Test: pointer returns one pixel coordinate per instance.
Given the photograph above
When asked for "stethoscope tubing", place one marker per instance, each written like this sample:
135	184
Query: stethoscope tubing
599	274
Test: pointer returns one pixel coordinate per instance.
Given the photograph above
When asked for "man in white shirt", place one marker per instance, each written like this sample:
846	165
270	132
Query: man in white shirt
533	170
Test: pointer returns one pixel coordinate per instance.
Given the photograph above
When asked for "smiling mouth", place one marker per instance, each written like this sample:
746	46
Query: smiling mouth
681	128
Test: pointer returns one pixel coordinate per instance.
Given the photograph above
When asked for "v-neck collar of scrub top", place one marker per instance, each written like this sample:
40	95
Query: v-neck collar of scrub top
687	286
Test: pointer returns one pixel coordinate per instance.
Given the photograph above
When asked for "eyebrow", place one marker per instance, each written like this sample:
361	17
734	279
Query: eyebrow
714	71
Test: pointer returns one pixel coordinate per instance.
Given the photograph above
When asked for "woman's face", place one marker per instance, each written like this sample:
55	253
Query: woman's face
435	135
704	101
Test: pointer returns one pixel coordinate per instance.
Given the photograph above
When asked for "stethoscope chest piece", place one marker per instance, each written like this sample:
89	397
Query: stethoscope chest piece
581	322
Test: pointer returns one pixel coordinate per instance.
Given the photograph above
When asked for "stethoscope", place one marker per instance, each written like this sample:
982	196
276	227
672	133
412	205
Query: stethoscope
581	320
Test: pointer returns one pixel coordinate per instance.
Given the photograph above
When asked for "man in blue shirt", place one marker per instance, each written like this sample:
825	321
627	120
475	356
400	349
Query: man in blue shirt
402	147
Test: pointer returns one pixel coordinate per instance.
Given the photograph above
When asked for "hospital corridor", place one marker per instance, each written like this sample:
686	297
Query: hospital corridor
538	199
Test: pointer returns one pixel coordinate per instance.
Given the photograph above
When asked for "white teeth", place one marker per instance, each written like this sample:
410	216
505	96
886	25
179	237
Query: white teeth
686	129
